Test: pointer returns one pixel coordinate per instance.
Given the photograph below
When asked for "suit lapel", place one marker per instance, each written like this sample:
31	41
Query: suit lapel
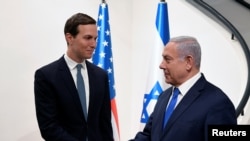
92	86
165	98
186	101
68	82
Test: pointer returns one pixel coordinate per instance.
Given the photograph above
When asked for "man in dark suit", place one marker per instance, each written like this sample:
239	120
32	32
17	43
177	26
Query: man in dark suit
58	106
199	103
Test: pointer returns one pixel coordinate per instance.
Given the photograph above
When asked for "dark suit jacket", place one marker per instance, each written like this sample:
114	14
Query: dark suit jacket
203	105
58	107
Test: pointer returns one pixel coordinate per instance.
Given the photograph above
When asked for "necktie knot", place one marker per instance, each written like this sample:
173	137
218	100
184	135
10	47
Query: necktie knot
78	67
176	92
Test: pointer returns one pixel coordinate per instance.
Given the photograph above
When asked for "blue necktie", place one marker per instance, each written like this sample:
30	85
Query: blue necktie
81	89
171	106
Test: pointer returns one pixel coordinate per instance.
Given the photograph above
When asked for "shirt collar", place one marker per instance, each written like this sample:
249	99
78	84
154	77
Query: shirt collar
71	63
189	83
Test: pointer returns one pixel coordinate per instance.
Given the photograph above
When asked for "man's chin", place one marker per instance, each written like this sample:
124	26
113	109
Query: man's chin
168	81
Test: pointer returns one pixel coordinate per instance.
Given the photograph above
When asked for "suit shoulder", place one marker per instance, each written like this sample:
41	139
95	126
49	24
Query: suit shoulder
217	93
52	66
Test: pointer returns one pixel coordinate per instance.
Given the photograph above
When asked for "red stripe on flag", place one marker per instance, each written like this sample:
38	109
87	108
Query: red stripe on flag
114	110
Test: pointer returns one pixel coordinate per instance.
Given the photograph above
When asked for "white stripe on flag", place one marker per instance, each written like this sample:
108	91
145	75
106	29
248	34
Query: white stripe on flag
156	81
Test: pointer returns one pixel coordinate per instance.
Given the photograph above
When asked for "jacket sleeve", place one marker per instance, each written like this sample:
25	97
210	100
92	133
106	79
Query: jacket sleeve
46	110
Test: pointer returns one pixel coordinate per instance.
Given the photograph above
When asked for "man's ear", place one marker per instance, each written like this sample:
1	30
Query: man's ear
68	38
189	62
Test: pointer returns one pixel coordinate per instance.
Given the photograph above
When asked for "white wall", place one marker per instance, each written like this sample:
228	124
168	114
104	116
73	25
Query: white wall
31	35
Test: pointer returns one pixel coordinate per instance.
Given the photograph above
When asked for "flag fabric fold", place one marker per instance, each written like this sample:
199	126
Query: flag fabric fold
156	83
103	58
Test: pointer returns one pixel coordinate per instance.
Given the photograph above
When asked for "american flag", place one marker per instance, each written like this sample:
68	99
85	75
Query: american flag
155	82
104	59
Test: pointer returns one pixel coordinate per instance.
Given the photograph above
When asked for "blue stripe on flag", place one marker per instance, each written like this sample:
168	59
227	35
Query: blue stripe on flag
162	23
